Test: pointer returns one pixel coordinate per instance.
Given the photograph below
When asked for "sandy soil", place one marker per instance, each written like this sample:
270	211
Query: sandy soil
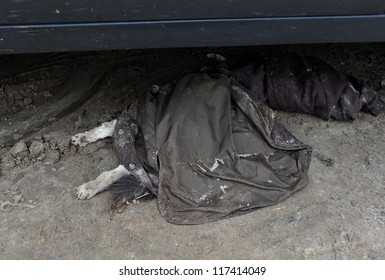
44	99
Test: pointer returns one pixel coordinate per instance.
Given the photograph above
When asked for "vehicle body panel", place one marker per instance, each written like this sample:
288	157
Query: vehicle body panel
77	11
28	26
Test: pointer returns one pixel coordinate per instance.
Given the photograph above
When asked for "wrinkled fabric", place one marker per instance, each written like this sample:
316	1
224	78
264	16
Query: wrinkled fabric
218	152
209	147
307	85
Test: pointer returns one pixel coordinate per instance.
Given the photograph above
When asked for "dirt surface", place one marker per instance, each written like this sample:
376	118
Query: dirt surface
44	99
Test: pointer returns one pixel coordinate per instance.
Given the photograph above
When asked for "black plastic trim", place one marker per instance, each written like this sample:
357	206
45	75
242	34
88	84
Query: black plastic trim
49	11
190	33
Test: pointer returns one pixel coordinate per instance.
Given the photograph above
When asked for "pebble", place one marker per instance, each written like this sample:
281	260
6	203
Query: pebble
57	140
51	157
19	149
27	101
5	205
7	161
18	198
17	136
41	157
36	149
2	151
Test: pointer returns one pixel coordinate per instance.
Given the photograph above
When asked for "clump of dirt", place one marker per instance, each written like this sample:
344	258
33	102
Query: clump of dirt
47	149
327	161
30	87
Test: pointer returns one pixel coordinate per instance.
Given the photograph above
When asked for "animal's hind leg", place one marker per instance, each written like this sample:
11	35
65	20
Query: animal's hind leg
104	130
101	183
126	133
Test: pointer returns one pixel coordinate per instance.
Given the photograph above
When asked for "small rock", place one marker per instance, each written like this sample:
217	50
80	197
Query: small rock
46	93
27	93
36	149
7	161
38	138
57	140
27	101
71	150
327	161
14	91
19	103
10	98
18	198
51	157
5	205
17	136
41	157
19	149
2	151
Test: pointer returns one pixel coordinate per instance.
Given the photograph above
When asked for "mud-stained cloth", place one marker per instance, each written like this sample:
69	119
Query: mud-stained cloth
215	144
308	85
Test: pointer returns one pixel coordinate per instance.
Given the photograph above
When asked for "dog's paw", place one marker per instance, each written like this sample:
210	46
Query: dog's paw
216	56
81	139
85	191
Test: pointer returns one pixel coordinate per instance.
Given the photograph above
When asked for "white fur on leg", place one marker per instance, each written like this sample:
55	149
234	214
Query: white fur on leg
102	182
104	130
216	57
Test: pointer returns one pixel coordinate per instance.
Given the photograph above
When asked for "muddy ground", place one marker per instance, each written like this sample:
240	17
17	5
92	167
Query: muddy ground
44	99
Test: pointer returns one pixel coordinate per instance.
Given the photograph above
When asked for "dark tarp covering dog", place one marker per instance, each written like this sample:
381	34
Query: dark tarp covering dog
308	85
209	146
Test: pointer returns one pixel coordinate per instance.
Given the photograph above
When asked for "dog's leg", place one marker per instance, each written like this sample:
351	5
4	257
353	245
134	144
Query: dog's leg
101	183
127	132
216	56
100	132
